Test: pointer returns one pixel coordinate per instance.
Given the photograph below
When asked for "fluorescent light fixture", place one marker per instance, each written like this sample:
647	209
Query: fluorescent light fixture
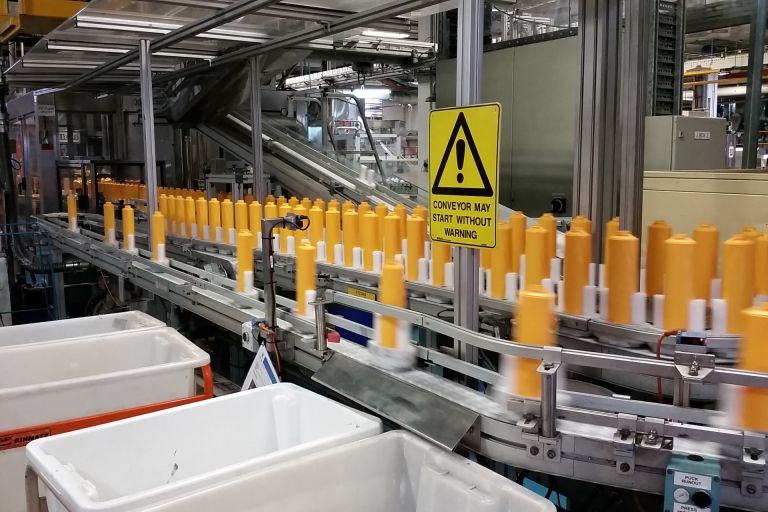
320	75
141	25
392	44
83	48
386	35
53	64
378	93
106	49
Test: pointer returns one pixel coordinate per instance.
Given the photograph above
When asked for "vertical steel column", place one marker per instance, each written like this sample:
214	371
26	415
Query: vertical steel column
608	170
632	109
593	187
469	57
681	21
326	118
753	108
148	123
256	140
57	285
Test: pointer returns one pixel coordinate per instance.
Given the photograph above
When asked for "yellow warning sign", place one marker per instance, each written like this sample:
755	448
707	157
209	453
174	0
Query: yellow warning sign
464	174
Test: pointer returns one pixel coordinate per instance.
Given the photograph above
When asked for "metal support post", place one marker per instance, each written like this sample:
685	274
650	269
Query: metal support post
268	260
268	267
320	325
632	109
326	119
468	70
612	106
753	108
593	183
148	123
57	285
258	156
681	394
548	413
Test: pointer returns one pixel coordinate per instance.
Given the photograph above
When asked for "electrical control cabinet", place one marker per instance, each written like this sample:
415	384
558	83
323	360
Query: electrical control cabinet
677	143
692	485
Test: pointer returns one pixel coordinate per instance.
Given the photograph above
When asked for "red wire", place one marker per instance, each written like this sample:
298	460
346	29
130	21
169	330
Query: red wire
659	341
273	336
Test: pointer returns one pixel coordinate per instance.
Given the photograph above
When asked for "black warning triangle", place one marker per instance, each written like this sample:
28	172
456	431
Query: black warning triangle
487	189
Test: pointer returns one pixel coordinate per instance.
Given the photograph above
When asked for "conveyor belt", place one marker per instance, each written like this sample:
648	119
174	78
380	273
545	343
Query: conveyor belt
599	439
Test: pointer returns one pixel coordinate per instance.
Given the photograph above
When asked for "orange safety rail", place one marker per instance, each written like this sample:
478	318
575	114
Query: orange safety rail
19	437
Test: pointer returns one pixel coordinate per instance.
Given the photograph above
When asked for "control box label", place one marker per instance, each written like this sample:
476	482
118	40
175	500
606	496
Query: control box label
361	293
702	135
683	507
695	481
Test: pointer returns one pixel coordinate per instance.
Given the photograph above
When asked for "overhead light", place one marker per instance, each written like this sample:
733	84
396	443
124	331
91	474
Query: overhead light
378	93
83	48
319	76
53	64
106	49
184	55
141	25
386	35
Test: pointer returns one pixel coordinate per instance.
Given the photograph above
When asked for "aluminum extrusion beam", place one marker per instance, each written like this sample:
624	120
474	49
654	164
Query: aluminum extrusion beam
594	187
753	108
148	125
632	111
608	162
469	58
214	20
256	133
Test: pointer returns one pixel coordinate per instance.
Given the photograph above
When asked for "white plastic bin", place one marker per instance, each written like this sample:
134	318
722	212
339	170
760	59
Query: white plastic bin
46	383
136	463
393	472
76	328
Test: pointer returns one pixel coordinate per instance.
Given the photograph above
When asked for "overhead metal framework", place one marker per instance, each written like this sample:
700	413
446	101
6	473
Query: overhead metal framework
209	22
97	49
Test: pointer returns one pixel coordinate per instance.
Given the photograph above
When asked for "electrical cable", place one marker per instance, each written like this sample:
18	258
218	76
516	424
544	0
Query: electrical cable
106	285
659	341
273	341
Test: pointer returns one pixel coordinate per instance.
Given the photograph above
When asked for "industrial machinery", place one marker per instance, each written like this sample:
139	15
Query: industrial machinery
613	440
325	264
679	143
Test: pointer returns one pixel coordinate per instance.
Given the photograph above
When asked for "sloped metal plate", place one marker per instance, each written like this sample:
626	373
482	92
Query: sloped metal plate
426	414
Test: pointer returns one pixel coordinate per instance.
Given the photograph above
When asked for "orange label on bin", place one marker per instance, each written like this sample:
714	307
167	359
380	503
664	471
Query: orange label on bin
18	439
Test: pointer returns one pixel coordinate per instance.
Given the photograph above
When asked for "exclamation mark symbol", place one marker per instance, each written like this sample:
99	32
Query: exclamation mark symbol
460	146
